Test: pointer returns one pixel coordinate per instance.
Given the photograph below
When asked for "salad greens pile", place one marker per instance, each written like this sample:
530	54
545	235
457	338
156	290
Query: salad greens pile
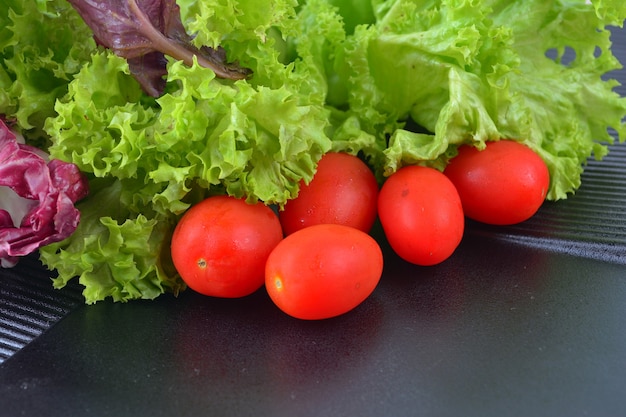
395	81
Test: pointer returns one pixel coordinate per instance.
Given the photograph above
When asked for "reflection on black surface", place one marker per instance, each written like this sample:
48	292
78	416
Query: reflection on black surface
534	330
268	350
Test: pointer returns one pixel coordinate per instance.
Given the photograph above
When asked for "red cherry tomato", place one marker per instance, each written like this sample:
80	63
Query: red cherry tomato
421	215
343	191
323	271
220	245
503	184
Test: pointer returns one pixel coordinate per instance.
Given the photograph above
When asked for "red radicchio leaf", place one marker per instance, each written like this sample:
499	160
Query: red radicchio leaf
143	32
38	195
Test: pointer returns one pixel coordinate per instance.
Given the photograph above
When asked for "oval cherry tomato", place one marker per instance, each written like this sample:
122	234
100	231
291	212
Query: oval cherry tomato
220	245
323	271
503	184
343	191
421	215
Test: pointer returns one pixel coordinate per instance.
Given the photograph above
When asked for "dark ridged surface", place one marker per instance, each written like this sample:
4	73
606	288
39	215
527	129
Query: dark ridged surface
29	305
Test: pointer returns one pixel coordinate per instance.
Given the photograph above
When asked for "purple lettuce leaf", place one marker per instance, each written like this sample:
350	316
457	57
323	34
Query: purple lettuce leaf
143	32
37	198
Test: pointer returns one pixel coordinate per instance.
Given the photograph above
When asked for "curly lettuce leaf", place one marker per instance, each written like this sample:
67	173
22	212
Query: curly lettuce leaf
254	142
354	13
473	71
115	252
214	22
42	44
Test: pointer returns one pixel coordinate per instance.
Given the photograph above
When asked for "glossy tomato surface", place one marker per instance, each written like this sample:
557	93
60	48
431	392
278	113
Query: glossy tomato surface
421	215
506	183
343	191
323	271
220	246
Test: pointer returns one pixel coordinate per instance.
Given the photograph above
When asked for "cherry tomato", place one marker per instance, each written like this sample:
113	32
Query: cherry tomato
421	215
343	191
323	271
503	184
220	245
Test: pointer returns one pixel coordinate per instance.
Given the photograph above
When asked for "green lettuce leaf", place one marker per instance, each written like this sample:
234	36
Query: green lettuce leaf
473	71
123	255
42	44
255	142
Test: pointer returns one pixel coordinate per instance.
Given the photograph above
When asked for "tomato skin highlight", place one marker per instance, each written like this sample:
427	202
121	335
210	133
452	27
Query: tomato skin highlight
220	245
421	215
344	191
504	184
323	271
